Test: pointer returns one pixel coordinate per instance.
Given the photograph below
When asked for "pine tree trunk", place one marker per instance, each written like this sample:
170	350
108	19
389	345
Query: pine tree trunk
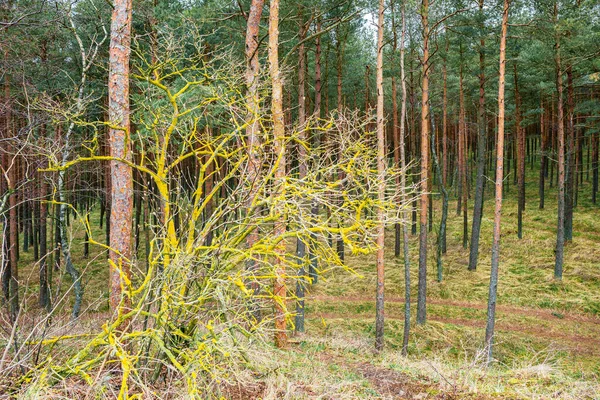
560	231
317	145
570	172
594	166
13	268
395	130
520	156
45	267
279	289
463	145
121	210
422	289
253	128
302	168
543	157
481	150
445	125
404	200
493	289
381	163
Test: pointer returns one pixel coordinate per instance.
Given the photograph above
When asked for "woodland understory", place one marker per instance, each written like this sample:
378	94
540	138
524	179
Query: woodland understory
331	199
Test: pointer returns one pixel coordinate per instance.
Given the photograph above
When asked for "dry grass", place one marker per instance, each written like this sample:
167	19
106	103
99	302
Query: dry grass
547	330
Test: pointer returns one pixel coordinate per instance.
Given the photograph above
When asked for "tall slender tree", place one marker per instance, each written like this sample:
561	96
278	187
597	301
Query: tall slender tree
543	157
481	148
463	157
570	156
279	288
13	232
493	290
404	200
316	141
560	131
121	210
520	155
422	289
302	163
253	128
381	155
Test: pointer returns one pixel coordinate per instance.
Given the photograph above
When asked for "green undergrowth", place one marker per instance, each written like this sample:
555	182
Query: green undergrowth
526	265
547	330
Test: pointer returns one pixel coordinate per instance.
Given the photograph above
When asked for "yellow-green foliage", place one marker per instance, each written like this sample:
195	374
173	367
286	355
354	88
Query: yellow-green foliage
194	301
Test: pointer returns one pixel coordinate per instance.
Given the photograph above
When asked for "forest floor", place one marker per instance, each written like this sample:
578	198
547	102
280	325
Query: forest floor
547	332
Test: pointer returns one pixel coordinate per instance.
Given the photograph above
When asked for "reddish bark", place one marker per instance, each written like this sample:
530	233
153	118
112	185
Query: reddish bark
121	212
424	197
493	289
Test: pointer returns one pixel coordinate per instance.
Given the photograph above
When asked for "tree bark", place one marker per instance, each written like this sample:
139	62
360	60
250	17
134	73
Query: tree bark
422	289
279	289
317	144
481	150
404	205
463	146
543	136
253	128
13	229
121	210
493	289
45	267
395	130
570	168
381	162
444	181
560	231
520	131
594	166
302	168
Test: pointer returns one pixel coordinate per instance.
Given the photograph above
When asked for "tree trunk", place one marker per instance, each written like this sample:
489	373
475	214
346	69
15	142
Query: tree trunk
412	136
481	150
570	169
445	126
302	167
381	163
594	166
404	200
543	157
442	228
520	156
395	130
340	106
121	210
560	231
279	289
13	271
45	267
422	290
253	128
62	224
317	144
491	310
463	146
